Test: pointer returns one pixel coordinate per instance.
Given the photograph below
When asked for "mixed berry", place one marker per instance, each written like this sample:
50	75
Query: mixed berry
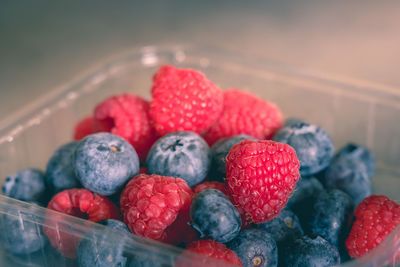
218	173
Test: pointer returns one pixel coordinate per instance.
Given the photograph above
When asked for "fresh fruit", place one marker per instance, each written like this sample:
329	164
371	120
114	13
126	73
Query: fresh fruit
79	203
183	100
255	247
332	216
313	145
95	250
376	216
27	184
245	113
285	228
20	232
60	172
181	154
261	177
304	195
351	170
104	162
126	115
210	251
151	203
220	150
223	187
310	251
214	216
84	128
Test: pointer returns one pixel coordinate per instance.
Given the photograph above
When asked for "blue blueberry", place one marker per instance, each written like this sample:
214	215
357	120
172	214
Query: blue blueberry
332	215
60	174
180	154
220	150
310	251
21	233
303	199
360	154
255	247
313	145
26	184
214	216
96	250
284	228
351	170
104	162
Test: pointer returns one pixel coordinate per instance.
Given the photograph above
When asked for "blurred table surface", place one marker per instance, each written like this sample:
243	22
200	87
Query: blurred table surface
46	43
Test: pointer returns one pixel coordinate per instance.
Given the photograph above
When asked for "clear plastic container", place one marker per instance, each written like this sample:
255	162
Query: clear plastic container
349	110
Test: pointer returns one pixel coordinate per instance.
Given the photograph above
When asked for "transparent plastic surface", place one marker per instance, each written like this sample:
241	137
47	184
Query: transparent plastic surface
349	110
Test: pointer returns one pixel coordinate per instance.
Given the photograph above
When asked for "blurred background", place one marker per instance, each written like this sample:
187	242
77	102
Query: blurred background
44	44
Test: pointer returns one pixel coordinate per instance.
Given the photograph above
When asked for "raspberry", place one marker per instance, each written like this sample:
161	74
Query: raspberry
126	115
151	203
83	128
376	216
261	177
184	100
244	113
213	185
211	250
79	203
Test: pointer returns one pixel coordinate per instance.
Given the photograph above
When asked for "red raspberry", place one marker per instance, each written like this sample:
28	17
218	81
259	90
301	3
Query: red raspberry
151	203
184	100
261	176
126	115
244	113
376	217
212	185
212	250
79	203
83	128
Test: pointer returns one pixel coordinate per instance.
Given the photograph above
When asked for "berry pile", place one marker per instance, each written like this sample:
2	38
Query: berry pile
219	173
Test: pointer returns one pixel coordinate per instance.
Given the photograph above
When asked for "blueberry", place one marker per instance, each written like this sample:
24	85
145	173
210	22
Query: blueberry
303	199
214	216
60	174
255	247
180	154
351	171
104	162
284	228
332	217
26	184
313	145
21	233
220	150
310	251
96	250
